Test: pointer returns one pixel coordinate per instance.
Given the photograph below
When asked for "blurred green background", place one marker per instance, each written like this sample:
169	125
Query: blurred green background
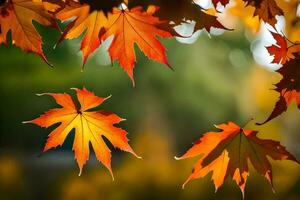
215	81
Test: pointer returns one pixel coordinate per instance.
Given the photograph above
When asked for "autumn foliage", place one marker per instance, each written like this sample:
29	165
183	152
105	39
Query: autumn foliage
144	24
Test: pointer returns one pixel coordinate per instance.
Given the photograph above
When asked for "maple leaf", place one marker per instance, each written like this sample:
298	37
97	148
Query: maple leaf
281	51
267	10
17	16
226	153
288	87
90	127
136	26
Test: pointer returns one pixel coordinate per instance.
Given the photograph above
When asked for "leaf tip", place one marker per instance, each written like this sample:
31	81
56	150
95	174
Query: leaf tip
74	88
217	126
137	156
184	184
170	67
41	94
45	59
273	190
262	123
133	82
177	158
216	189
108	97
111	174
108	166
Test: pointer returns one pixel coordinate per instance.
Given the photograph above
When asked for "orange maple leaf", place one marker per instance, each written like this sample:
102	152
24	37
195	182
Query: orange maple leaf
90	127
288	87
135	26
281	51
226	153
17	16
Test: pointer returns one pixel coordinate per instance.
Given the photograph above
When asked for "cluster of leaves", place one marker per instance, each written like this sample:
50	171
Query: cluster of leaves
289	85
139	22
132	22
